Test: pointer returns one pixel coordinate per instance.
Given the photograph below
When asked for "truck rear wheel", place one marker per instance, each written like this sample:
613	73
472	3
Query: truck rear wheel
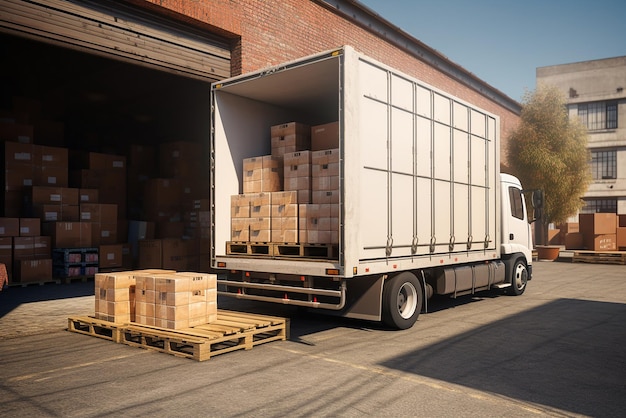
519	278
402	300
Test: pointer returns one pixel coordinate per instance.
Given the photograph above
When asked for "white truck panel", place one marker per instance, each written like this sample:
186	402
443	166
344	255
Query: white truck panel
419	169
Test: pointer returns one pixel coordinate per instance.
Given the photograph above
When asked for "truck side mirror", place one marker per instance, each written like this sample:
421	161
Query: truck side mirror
537	199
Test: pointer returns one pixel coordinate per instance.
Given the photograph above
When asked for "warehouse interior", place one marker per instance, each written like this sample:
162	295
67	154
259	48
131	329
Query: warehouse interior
103	103
89	106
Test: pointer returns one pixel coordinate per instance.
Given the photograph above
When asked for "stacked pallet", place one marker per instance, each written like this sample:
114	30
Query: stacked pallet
292	195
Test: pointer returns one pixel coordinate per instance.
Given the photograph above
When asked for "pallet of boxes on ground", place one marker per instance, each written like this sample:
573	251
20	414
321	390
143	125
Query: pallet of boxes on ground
172	312
595	238
290	201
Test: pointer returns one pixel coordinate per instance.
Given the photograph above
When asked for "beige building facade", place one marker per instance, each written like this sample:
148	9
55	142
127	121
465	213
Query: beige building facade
596	93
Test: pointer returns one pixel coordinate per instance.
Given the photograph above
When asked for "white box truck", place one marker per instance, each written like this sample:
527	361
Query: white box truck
422	206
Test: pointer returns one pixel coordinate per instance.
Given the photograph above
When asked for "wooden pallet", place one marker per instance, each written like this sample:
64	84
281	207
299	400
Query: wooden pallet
597	257
274	249
231	331
96	328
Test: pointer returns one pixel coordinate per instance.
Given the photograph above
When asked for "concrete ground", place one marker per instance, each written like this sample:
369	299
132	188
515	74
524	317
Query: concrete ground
557	350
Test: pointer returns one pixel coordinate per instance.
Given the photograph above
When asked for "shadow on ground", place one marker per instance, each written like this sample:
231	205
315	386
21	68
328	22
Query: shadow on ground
15	296
568	354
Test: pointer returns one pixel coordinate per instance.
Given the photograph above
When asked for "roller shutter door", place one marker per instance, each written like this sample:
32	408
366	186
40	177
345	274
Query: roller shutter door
119	31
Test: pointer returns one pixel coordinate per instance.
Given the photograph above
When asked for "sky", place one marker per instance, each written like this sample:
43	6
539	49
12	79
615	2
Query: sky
503	42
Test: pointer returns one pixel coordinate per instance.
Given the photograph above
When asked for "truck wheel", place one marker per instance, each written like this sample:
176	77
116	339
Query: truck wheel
402	300
519	278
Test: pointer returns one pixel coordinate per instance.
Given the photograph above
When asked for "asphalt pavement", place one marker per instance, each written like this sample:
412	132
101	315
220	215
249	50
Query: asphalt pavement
557	350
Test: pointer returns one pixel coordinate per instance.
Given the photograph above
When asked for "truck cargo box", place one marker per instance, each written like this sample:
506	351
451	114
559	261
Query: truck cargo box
417	172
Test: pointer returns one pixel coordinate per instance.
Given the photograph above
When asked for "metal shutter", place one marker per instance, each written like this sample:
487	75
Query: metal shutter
117	31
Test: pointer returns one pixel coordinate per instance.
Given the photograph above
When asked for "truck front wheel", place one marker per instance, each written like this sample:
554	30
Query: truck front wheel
519	278
402	300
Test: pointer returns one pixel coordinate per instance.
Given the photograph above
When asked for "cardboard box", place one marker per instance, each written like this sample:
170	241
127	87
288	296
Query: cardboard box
150	254
50	176
18	154
56	212
170	229
180	159
30	227
620	238
621	221
260	204
290	137
597	223
325	136
240	229
23	248
9	227
53	157
17	132
33	270
98	212
263	174
240	206
68	234
42	246
174	254
325	196
110	256
17	178
603	242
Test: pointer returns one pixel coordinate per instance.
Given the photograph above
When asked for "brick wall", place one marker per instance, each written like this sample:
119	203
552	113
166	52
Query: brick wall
272	32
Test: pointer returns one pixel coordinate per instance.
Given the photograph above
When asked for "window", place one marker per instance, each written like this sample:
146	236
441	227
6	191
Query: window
598	115
600	206
604	165
517	208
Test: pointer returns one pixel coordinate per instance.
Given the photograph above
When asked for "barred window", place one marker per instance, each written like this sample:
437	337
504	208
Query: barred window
604	165
598	115
600	206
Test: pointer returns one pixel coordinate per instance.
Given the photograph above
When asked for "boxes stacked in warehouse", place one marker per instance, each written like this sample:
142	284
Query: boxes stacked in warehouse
594	232
24	251
160	298
75	262
134	178
292	195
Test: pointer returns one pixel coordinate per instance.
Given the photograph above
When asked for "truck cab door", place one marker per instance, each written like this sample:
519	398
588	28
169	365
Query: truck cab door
516	232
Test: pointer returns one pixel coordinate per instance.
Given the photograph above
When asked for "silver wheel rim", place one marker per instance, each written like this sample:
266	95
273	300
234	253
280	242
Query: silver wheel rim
521	276
407	300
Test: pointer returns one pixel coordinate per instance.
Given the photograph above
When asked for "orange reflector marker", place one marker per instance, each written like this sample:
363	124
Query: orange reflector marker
355	270
395	266
332	272
302	278
367	269
315	299
221	264
285	297
247	274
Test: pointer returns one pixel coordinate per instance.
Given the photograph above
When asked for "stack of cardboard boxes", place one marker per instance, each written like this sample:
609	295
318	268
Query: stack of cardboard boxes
593	232
292	195
160	298
23	250
110	200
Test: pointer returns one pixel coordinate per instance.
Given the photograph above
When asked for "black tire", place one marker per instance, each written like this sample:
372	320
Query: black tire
519	278
402	300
